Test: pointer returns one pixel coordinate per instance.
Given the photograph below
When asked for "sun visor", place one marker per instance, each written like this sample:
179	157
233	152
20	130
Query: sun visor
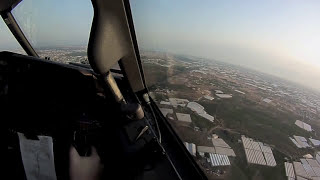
110	41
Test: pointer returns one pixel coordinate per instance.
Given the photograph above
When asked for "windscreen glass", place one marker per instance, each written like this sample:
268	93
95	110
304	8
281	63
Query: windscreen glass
8	41
238	81
57	29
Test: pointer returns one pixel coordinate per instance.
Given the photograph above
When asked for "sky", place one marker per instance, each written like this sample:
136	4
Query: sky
51	23
278	37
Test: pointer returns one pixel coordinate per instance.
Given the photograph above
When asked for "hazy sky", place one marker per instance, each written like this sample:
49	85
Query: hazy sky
51	23
280	37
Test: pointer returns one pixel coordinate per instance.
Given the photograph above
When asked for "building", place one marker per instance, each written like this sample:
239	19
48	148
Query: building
196	107
314	142
175	102
166	111
266	100
184	117
219	160
207	116
224	96
209	97
215	159
214	136
205	149
221	147
257	152
308	156
303	125
300	142
318	157
299	170
218	142
165	103
191	148
305	169
239	92
289	170
295	142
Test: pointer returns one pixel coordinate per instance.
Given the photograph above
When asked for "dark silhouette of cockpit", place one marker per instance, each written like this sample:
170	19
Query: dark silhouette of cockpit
90	106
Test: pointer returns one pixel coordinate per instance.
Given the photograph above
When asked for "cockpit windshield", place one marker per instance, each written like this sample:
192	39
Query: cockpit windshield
238	81
58	30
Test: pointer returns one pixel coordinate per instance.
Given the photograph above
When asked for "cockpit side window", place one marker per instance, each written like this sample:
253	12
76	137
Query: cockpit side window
57	30
7	40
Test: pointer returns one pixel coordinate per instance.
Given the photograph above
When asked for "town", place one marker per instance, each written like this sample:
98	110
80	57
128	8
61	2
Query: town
236	123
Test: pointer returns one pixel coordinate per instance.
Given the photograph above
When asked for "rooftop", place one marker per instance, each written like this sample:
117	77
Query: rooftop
257	152
166	111
219	160
178	102
224	96
315	142
206	149
209	97
196	107
266	100
239	91
303	125
191	148
184	117
200	110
